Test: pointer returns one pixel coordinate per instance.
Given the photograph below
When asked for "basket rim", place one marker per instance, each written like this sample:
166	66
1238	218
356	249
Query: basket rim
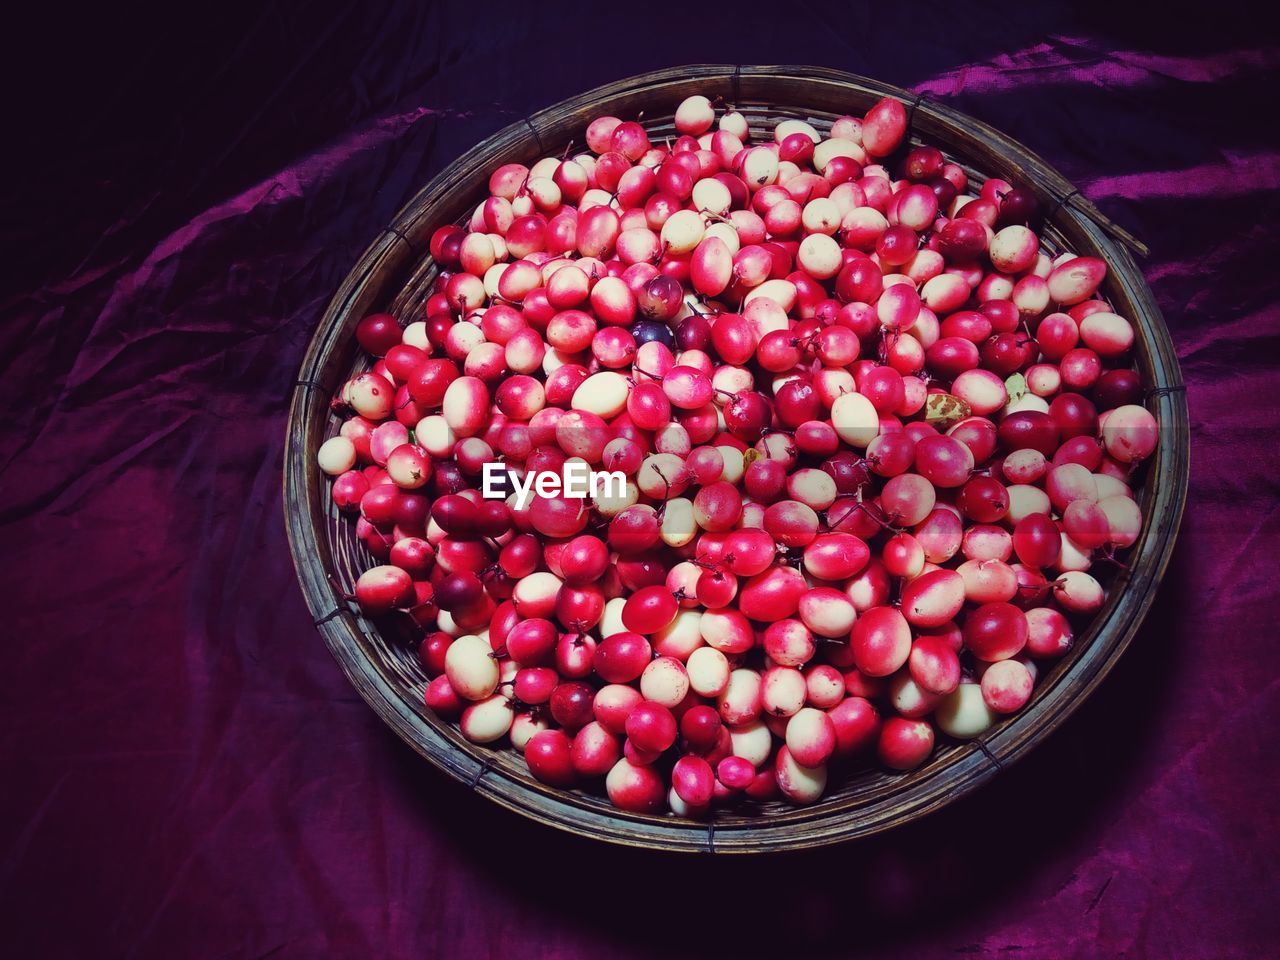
934	785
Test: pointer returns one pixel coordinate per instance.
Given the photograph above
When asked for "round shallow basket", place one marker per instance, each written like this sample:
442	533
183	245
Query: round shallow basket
395	274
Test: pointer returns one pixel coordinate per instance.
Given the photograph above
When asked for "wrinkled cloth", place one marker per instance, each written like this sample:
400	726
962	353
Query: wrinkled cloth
186	771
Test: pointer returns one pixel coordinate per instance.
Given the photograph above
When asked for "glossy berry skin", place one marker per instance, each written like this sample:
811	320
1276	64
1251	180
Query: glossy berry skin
652	331
550	758
651	727
983	500
1030	430
995	631
649	610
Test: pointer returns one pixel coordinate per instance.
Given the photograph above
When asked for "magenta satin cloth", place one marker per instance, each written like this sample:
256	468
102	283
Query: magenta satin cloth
186	772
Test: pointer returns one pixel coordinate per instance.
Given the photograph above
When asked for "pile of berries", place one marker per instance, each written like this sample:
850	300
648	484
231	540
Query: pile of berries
873	439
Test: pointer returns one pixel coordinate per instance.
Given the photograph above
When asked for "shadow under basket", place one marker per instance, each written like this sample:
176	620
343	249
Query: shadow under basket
395	274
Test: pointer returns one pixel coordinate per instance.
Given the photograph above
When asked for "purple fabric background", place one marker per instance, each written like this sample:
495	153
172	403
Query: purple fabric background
186	772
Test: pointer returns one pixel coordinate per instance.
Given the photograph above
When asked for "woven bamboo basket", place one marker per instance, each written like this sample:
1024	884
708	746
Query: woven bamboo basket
395	274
